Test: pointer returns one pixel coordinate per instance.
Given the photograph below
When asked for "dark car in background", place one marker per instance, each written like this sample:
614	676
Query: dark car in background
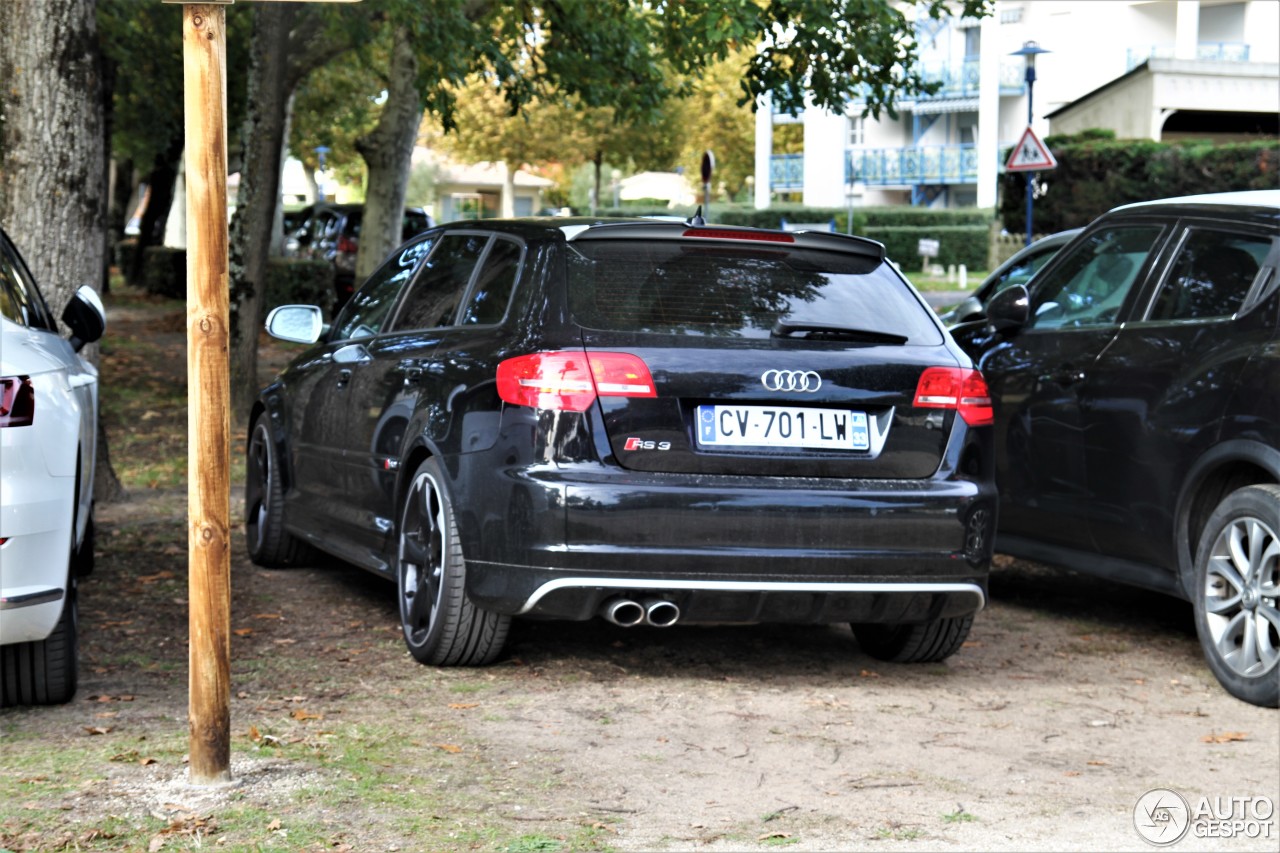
643	421
331	232
1137	412
1018	269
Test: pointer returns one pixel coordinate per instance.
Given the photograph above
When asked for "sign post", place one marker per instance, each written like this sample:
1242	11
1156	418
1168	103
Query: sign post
1030	155
204	64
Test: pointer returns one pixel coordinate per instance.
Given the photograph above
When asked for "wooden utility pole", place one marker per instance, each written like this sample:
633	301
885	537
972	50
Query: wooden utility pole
204	60
204	63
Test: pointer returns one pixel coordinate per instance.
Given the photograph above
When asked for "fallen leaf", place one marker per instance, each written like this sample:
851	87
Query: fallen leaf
462	706
158	576
1097	764
866	673
448	747
145	762
242	632
97	730
274	825
1072	773
774	836
254	734
286	641
268	616
306	715
1224	737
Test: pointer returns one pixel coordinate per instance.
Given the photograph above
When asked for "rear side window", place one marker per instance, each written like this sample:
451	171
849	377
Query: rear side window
434	299
494	285
665	287
1211	276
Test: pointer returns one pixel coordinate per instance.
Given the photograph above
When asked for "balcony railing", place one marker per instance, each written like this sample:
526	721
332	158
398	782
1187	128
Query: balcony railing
921	164
1221	51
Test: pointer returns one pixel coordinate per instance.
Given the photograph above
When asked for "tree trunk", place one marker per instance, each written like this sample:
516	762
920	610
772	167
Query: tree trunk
160	183
388	152
259	194
52	149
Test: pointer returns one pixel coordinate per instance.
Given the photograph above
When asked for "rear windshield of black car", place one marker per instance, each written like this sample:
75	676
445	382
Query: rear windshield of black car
665	287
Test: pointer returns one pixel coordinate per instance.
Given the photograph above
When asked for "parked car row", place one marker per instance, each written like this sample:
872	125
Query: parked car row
48	435
656	421
331	232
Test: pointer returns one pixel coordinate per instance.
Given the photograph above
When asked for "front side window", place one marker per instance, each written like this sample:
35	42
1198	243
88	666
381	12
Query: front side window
433	300
20	301
666	287
366	313
1211	275
1089	287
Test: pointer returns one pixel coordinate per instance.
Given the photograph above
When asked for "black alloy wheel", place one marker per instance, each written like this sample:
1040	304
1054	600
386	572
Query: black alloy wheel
441	625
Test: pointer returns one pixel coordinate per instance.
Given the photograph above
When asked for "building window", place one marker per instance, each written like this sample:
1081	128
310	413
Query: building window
1011	16
857	131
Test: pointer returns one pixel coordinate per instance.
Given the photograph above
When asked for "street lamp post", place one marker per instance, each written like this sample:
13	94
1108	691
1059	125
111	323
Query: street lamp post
1028	52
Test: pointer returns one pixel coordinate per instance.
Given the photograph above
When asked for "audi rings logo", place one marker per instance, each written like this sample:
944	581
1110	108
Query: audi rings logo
791	380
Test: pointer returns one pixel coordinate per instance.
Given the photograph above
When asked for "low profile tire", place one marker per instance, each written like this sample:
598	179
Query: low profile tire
1235	593
43	672
922	643
268	542
441	625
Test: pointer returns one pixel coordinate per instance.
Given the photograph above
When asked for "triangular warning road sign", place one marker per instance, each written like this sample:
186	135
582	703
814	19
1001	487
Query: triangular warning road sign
1030	155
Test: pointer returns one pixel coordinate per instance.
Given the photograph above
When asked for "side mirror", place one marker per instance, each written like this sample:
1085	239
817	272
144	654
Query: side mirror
1009	308
85	317
300	324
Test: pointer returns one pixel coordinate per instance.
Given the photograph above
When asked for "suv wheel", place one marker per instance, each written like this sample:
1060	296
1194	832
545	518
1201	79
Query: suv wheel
269	543
1235	594
43	672
920	643
441	625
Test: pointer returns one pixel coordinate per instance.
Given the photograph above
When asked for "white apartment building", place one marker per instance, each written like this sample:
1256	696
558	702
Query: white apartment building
1154	69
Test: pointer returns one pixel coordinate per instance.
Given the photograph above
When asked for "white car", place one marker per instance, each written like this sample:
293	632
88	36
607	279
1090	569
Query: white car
48	432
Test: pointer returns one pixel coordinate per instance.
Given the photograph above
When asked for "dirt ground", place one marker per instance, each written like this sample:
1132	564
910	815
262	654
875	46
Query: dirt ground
1072	698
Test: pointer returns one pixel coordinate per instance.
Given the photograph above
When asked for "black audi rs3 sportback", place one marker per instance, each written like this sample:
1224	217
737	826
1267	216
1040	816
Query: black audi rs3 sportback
651	422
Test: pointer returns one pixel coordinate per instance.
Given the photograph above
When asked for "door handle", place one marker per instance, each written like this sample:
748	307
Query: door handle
1069	376
344	376
411	369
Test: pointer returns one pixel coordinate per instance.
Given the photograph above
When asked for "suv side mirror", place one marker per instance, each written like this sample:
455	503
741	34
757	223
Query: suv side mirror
1009	308
85	317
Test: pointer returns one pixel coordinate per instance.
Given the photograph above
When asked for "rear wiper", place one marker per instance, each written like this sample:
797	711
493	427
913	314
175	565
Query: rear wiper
833	332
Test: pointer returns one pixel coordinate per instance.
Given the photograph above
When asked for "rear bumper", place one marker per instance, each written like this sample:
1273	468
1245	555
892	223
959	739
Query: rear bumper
558	542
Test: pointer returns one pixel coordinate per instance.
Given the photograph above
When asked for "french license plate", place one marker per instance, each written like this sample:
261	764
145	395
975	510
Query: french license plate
782	426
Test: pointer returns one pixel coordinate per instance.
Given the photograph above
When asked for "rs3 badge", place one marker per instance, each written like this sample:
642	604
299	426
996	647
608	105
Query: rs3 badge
634	443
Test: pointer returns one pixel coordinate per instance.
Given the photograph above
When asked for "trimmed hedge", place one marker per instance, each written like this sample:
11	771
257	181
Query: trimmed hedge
957	244
1097	172
164	271
289	281
294	281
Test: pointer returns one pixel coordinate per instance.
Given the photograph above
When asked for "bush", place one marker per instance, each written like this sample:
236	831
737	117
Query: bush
164	271
293	281
1097	172
957	244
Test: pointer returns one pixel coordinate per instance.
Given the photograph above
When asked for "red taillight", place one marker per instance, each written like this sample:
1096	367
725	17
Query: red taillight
570	381
730	234
17	401
958	388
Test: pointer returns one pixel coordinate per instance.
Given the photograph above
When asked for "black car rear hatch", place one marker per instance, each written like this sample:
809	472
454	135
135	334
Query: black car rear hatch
747	352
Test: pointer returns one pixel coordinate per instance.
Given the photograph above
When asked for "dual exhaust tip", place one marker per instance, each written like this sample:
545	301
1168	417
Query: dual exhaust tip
649	611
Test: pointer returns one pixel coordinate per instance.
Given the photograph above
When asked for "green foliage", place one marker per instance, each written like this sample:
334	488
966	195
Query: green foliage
292	281
957	244
164	271
1097	172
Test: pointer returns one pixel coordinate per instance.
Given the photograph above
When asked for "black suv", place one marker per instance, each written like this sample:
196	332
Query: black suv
646	421
1137	414
331	232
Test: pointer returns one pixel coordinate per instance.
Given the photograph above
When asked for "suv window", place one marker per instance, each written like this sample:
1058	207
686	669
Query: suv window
367	311
1090	285
20	301
1211	276
731	291
494	284
434	297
